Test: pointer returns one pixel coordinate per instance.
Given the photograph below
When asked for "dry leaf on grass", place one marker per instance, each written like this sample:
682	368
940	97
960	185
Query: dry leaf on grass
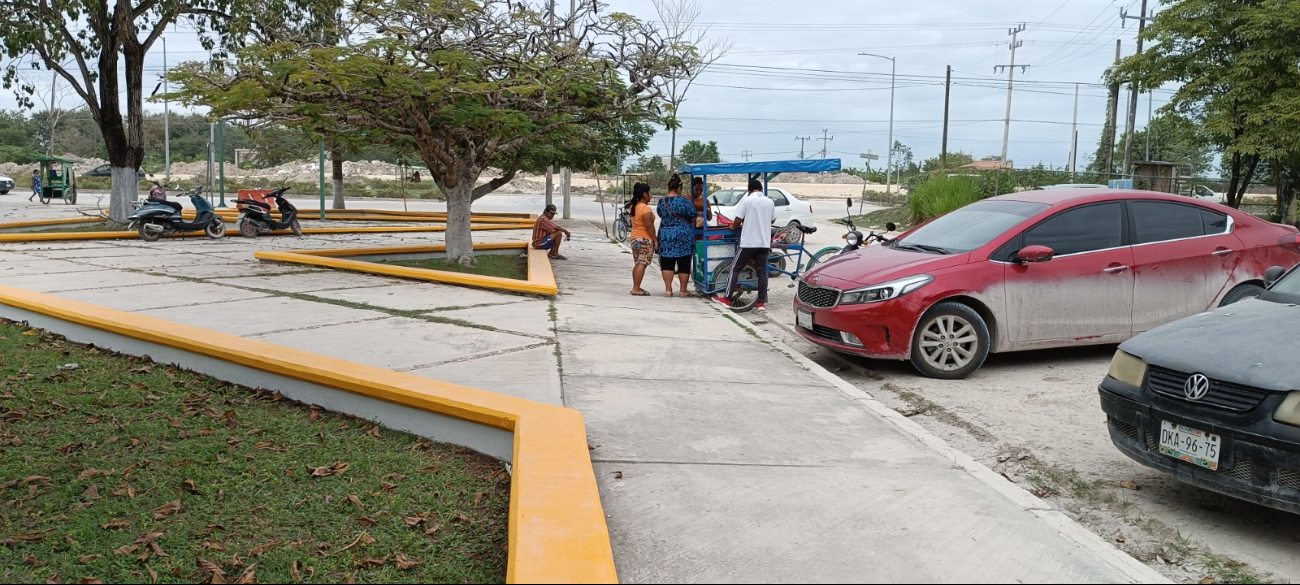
1120	538
248	576
88	581
354	500
213	545
212	571
191	487
366	521
1129	484
126	549
338	468
87	558
165	510
362	539
118	524
373	562
175	423
403	564
93	473
32	561
153	575
258	551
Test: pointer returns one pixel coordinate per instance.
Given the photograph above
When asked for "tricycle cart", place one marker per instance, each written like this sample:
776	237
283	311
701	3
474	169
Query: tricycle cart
716	247
57	180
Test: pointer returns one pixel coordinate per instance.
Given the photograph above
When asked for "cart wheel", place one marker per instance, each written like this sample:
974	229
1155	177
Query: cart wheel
216	229
70	199
150	235
746	295
296	227
822	255
247	229
44	198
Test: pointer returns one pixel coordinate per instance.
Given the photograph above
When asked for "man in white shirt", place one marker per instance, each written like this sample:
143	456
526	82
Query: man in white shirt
754	216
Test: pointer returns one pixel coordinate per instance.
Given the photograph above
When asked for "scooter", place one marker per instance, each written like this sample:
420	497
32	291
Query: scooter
255	216
854	238
155	219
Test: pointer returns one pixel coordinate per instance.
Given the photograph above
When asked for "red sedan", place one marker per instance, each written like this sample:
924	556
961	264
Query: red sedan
1036	270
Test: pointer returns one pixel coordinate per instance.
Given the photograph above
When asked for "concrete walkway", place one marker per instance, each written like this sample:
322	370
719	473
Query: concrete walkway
724	457
721	455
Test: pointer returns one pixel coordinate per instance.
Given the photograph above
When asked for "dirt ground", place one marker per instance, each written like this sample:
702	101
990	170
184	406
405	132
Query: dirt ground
1035	418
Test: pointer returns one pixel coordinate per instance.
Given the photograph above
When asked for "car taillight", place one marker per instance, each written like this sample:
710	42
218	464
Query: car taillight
1290	242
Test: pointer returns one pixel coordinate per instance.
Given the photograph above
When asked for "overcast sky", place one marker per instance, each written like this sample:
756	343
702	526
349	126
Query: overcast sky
794	71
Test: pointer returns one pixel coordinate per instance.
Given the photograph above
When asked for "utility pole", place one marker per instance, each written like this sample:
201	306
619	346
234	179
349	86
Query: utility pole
167	120
869	156
1074	133
1113	121
1133	90
825	142
550	169
802	140
1149	130
1011	77
566	174
746	154
947	93
50	115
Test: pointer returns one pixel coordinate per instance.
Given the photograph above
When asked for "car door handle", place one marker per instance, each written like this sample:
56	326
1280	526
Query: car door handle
1220	253
1115	269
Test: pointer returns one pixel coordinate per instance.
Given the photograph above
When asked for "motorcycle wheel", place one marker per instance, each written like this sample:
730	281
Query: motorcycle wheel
216	229
147	235
247	229
297	229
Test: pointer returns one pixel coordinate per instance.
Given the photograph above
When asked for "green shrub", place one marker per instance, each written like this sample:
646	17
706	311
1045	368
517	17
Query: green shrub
939	195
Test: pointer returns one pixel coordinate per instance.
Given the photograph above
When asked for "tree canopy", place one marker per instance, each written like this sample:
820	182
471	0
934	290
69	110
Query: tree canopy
1237	64
697	152
467	85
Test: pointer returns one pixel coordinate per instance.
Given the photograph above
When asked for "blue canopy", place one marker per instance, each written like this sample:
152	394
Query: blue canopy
816	165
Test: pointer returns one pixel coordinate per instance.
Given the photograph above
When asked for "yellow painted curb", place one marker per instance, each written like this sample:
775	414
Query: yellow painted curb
557	531
48	222
541	279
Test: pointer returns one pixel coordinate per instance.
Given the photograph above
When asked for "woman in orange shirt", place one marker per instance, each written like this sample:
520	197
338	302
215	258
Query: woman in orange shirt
643	238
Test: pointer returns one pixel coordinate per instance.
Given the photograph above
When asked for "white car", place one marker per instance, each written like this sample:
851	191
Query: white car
6	184
789	210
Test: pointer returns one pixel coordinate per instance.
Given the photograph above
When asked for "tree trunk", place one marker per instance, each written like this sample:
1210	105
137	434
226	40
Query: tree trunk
1234	178
460	243
672	154
124	190
1252	163
336	170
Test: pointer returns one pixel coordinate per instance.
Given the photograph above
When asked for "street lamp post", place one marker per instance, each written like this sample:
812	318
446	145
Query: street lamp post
890	156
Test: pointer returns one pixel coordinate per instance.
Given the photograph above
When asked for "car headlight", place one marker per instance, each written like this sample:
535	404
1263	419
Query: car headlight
884	292
1128	368
1289	412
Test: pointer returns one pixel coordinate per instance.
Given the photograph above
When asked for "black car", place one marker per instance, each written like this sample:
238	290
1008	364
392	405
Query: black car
107	171
1214	399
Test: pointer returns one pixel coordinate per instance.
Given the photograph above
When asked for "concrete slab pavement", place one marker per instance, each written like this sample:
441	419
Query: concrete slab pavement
729	458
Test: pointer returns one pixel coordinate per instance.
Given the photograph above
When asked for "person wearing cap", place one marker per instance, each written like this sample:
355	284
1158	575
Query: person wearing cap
546	235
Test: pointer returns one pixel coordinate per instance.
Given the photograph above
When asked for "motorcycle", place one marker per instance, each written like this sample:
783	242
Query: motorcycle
255	216
154	219
854	238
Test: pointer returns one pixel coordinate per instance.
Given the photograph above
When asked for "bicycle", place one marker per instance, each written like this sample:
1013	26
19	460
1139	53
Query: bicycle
783	254
622	223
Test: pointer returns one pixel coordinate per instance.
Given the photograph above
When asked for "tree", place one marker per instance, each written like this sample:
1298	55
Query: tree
955	159
696	152
654	164
17	138
688	56
1236	61
468	85
84	42
903	160
1174	138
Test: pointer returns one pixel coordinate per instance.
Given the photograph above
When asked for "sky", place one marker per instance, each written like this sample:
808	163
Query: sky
794	70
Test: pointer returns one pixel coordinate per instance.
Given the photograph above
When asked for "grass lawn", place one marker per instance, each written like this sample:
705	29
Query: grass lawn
120	470
503	265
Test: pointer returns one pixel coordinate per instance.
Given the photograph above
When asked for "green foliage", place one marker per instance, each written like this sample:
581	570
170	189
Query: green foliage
654	164
941	195
955	159
903	163
697	152
1239	69
1174	138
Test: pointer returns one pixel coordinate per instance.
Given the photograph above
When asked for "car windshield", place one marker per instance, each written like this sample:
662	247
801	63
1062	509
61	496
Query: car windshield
728	197
1288	285
970	227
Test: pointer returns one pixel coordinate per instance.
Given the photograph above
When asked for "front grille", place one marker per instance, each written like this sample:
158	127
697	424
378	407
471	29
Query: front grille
1129	430
1152	445
827	333
817	296
1241	470
1222	395
1288	478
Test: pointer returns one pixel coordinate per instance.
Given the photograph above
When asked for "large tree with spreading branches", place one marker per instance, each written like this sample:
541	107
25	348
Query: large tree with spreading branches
87	43
468	85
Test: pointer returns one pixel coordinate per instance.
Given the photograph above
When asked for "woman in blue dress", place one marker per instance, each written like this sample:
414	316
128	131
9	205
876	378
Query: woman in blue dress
676	237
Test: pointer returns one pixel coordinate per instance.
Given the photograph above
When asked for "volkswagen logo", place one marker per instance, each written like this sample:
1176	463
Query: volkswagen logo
1197	387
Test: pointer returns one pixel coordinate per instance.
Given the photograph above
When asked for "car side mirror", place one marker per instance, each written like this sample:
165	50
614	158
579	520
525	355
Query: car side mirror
890	226
1273	274
1035	253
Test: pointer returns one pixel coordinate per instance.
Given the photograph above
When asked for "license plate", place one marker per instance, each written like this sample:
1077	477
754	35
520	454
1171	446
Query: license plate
805	319
1188	444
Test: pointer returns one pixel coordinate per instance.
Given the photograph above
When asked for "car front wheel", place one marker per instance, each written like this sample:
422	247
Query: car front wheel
1240	293
951	342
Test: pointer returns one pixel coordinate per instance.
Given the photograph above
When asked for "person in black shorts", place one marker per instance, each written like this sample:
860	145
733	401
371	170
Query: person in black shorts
676	237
